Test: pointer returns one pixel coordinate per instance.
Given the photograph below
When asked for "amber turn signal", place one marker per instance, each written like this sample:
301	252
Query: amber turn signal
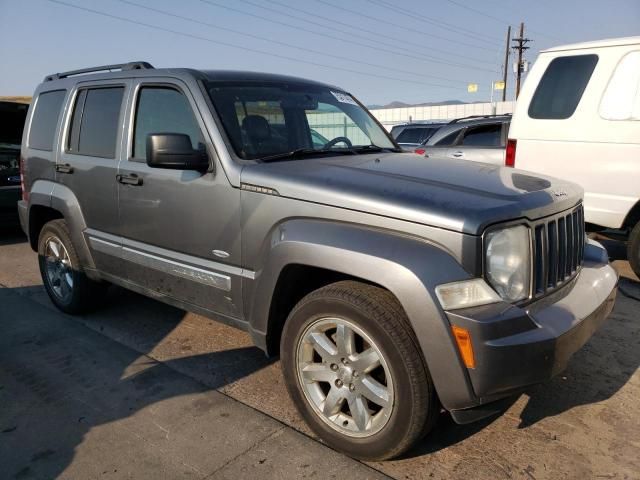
463	340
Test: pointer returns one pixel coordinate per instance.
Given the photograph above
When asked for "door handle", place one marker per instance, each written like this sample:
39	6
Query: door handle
66	168
131	179
458	154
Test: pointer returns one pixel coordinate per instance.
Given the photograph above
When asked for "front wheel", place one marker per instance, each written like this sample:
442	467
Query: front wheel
353	368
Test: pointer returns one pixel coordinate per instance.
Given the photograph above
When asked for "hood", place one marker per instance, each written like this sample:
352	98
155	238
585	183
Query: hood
446	193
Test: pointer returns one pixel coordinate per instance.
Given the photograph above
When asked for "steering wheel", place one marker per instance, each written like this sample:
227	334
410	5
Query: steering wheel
332	143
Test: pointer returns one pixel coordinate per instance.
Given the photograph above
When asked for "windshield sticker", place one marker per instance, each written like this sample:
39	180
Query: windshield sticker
344	98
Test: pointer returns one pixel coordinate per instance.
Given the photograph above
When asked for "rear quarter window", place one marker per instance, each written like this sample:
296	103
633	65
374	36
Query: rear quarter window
45	120
561	87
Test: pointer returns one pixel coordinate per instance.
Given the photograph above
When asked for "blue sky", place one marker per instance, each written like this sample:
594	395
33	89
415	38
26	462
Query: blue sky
380	50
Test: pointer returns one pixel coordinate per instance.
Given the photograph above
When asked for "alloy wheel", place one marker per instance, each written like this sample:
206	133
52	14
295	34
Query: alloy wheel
345	377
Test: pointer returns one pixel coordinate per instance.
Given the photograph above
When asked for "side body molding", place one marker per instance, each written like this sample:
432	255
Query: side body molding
406	266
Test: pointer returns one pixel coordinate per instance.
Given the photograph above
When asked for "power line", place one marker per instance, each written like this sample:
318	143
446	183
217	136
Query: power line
377	34
436	23
501	20
405	27
377	47
240	47
277	42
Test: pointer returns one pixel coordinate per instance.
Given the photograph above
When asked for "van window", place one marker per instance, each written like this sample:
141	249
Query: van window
562	86
483	136
163	110
45	120
621	99
95	120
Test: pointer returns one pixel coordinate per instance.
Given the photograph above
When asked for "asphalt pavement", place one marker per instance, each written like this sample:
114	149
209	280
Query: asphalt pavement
139	389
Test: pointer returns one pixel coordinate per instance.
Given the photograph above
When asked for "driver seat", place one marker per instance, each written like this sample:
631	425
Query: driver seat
258	131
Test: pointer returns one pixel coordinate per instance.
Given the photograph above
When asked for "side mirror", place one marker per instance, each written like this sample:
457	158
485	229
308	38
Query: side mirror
174	150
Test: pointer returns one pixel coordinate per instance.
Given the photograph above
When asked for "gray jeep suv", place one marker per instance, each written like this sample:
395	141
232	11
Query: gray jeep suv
390	286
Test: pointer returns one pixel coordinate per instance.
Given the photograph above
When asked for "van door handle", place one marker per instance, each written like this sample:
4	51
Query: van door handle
66	168
458	154
131	179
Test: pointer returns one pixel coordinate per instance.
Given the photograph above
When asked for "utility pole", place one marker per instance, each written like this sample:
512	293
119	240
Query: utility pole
520	47
506	64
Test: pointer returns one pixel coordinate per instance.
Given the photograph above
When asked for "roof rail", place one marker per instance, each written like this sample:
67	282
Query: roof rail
473	117
103	68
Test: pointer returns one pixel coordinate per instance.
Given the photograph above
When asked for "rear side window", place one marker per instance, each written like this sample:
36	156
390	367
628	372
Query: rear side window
45	120
621	99
562	86
483	136
411	135
95	120
449	139
163	110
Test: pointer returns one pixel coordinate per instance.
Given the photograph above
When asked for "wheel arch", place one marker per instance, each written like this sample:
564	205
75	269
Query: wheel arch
315	252
633	217
49	201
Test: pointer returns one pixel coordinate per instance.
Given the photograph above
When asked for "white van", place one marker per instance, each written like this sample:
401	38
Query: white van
578	118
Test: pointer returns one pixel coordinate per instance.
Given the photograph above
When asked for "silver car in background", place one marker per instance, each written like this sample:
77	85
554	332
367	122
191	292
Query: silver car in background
476	138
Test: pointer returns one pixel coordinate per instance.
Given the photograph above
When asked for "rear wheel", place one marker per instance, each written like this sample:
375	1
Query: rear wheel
64	280
355	373
633	249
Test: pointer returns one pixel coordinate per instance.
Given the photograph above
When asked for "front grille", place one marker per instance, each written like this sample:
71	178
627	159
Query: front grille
558	250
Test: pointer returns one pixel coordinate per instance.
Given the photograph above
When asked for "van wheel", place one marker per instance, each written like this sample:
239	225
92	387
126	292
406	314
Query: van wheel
633	249
354	371
66	284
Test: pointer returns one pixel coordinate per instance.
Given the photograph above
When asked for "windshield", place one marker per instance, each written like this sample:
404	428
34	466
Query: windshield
279	120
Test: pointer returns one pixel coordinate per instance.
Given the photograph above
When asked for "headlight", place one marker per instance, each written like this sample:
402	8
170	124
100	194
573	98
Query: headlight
508	262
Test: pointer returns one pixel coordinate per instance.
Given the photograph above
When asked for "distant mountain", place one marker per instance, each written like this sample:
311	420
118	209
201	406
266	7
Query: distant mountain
397	104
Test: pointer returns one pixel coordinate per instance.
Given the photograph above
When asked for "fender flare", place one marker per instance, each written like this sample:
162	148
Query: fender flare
60	198
408	267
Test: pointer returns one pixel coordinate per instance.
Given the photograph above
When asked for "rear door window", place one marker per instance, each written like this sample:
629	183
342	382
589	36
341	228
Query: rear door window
621	99
562	86
483	136
448	140
45	120
95	121
411	135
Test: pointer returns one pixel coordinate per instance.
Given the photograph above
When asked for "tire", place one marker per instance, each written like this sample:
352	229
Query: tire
406	407
633	249
64	280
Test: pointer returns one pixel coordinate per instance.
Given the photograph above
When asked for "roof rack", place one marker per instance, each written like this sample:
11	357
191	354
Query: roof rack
474	117
103	68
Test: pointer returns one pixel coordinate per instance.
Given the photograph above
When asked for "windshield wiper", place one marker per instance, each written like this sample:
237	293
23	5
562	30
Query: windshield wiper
305	152
373	149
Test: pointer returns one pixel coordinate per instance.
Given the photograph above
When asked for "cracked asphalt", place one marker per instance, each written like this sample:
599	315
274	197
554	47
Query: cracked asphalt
139	389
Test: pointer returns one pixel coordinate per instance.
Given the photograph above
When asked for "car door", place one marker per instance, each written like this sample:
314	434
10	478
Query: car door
180	228
88	162
481	143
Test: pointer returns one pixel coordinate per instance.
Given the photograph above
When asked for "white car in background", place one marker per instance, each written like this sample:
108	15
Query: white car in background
578	118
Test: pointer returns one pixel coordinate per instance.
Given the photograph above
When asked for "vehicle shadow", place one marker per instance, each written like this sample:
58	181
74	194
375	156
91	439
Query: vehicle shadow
11	235
58	381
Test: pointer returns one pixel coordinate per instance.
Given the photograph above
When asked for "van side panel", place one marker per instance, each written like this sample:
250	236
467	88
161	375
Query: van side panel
603	156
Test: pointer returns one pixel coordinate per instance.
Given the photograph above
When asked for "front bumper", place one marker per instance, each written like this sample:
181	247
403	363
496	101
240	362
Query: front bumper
517	347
